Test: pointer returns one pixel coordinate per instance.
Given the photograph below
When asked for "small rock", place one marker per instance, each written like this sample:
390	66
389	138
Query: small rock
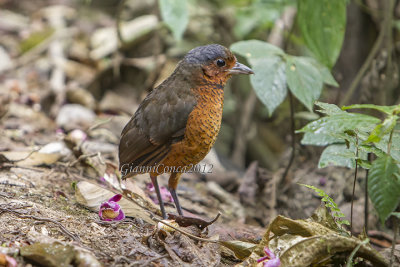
81	96
74	116
49	254
89	147
56	148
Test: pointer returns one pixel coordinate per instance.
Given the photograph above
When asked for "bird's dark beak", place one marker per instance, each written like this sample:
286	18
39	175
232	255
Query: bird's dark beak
240	68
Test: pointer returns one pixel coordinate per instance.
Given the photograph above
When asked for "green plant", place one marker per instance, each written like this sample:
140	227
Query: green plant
337	214
276	71
278	74
175	15
347	133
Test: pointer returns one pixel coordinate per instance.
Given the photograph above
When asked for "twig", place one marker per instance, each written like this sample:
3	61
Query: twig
389	147
293	137
366	211
354	188
184	232
5	195
114	223
99	124
395	219
62	228
85	156
292	124
26	157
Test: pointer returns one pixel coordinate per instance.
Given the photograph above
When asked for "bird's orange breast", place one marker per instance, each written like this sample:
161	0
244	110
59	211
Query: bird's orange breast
202	128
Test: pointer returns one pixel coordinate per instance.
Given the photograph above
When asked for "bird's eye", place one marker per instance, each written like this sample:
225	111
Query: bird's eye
220	62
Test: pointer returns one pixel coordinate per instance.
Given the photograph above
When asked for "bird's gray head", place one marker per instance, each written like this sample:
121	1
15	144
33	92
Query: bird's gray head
207	53
210	64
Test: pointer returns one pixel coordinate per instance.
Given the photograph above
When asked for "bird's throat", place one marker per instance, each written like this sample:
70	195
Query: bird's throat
210	94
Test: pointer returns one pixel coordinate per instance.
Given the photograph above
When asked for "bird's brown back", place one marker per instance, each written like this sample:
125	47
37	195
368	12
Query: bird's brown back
159	122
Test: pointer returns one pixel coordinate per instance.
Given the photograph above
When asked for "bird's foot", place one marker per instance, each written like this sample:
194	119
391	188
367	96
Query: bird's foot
185	221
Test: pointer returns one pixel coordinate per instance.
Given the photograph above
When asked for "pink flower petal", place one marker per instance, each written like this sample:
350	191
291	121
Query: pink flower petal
272	263
121	216
111	210
269	253
165	194
116	198
150	187
270	260
262	259
11	262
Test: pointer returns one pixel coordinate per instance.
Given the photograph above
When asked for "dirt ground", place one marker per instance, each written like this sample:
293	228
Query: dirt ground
41	201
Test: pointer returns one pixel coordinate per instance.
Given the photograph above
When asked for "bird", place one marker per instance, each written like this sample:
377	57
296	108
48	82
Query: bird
177	123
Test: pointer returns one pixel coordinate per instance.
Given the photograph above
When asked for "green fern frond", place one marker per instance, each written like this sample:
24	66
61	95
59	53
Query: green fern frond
329	203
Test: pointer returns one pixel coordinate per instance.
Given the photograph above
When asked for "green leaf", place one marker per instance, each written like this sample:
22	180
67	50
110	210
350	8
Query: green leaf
339	155
328	109
371	149
382	129
322	24
384	186
269	81
395	147
346	222
385	109
35	39
317	139
255	16
365	164
255	49
306	115
336	125
304	80
175	14
325	73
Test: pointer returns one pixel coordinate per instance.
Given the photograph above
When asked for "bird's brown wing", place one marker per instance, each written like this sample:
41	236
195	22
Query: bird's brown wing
159	122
